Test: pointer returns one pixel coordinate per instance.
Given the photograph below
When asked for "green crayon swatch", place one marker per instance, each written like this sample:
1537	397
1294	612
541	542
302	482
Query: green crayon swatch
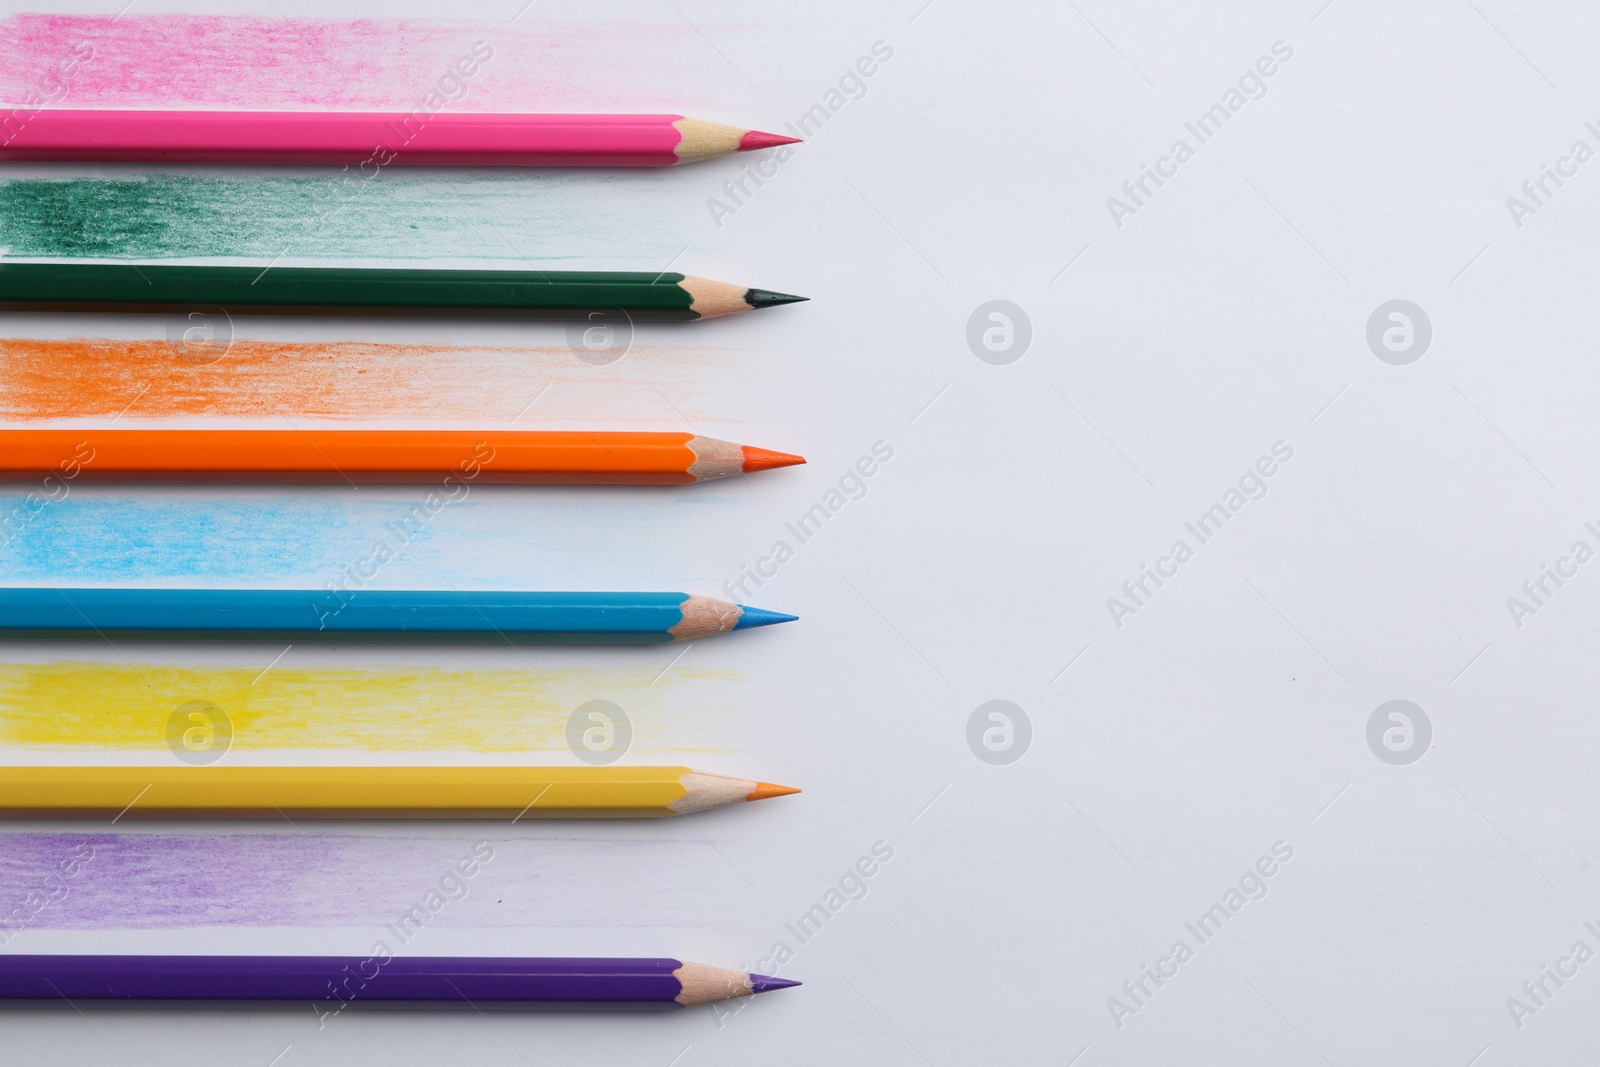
320	213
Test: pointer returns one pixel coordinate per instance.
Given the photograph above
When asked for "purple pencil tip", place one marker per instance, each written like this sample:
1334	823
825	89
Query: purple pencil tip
762	983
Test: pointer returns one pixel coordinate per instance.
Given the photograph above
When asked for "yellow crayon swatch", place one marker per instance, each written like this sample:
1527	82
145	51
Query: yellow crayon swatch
199	710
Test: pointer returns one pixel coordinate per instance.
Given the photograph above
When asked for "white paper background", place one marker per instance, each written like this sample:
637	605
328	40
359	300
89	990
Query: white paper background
1230	713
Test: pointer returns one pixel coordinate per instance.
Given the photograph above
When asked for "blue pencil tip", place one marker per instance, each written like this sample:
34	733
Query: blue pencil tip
761	617
762	983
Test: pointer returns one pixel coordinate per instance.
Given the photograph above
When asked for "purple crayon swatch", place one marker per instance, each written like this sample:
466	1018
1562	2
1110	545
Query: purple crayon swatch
399	883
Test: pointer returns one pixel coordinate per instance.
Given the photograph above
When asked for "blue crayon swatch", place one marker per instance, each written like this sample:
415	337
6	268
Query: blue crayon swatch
98	536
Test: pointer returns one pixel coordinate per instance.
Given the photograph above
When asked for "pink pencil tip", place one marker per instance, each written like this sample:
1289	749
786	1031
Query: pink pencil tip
754	139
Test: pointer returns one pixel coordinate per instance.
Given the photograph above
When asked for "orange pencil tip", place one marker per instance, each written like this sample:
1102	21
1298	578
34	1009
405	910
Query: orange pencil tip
766	790
762	459
755	139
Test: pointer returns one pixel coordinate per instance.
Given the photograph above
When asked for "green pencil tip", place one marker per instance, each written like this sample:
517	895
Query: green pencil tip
766	298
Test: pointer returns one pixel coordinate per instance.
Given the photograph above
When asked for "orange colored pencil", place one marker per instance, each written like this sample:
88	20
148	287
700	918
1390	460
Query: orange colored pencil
483	456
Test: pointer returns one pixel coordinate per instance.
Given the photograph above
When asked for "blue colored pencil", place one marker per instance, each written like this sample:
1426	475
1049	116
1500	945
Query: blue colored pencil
374	615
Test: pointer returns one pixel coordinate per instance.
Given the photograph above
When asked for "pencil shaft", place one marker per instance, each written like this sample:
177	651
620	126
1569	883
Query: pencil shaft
116	284
344	980
371	141
226	791
338	614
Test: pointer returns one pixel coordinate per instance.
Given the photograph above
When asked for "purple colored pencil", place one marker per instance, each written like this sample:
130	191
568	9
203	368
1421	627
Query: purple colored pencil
339	981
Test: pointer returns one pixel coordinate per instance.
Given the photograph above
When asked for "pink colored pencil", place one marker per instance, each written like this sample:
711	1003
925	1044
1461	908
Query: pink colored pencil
373	139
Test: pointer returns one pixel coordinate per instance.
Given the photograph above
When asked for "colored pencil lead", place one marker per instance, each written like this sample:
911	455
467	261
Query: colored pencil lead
766	298
767	790
753	617
756	139
764	459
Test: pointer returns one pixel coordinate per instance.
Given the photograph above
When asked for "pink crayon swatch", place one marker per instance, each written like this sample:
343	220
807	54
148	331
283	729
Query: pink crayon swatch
241	63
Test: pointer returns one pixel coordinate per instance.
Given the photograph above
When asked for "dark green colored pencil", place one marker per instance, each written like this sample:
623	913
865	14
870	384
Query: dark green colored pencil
141	286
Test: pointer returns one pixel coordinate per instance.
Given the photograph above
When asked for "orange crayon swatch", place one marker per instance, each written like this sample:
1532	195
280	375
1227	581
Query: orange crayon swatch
89	378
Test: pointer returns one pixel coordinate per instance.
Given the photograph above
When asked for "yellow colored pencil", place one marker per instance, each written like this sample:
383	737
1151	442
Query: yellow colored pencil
369	792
